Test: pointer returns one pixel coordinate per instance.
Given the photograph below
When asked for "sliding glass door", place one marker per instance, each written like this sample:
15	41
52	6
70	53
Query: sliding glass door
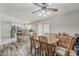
43	28
40	29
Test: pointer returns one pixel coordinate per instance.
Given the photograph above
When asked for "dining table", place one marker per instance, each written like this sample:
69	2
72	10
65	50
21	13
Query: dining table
51	45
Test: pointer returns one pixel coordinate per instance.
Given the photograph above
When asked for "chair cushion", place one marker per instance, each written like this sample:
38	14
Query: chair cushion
60	50
72	53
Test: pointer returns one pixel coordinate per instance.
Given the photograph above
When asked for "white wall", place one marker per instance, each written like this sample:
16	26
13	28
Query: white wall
0	31
64	23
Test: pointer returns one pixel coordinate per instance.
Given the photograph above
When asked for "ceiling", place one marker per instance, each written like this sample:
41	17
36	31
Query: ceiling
23	11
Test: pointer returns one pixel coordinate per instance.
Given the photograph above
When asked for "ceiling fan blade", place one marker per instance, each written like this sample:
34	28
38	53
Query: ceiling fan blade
37	4
36	11
53	9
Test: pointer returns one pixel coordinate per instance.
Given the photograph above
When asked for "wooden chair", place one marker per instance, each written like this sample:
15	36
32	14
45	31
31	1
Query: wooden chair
44	45
62	40
71	51
34	46
31	44
33	36
51	37
37	47
64	46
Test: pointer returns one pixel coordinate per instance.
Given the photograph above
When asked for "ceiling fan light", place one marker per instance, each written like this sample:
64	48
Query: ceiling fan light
43	11
48	13
44	15
40	14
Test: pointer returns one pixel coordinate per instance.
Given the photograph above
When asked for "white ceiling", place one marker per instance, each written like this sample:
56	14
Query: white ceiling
23	11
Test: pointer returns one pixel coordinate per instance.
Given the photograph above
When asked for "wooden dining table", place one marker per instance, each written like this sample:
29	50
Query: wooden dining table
51	44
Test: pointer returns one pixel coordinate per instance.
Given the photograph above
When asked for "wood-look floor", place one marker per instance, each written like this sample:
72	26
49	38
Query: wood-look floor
21	49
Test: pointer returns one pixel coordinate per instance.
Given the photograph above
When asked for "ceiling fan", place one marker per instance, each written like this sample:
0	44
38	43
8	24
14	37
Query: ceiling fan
44	6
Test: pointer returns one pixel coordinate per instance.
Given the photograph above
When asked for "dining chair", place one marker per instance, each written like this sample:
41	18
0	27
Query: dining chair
62	40
50	36
33	36
44	45
31	44
63	46
37	47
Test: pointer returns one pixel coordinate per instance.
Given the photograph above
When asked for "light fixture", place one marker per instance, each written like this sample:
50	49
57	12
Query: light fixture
43	13
48	13
44	9
40	14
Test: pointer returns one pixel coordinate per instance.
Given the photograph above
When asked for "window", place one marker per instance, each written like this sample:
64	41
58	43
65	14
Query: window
40	31
5	30
43	28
